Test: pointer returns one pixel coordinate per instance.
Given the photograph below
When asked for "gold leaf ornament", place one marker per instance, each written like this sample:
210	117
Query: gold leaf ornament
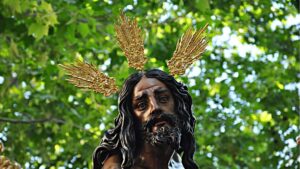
131	42
87	76
1	147
5	163
188	49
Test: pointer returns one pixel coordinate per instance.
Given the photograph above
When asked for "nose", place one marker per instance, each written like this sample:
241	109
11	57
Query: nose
154	106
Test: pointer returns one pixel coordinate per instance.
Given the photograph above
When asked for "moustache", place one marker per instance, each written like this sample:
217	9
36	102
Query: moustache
165	135
171	119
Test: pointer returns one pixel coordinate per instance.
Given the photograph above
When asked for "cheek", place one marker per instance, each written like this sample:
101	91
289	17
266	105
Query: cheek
172	106
140	116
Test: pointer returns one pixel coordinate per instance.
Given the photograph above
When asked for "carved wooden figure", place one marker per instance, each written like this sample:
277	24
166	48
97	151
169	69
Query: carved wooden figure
155	125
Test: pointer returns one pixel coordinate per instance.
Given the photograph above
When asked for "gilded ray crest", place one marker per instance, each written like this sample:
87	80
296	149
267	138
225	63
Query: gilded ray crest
131	42
188	49
87	76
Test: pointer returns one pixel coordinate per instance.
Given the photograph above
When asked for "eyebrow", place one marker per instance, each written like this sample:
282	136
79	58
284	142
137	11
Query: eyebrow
156	92
161	90
140	97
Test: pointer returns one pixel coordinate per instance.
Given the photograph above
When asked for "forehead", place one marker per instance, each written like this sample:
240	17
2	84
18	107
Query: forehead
148	84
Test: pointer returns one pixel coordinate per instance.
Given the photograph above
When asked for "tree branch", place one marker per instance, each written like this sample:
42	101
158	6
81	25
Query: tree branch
44	120
3	119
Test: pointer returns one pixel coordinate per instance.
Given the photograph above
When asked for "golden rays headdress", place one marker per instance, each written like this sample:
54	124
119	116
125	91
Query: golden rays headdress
188	49
129	36
131	42
87	76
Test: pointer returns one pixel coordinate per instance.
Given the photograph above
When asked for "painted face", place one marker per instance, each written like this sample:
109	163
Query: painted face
151	96
153	106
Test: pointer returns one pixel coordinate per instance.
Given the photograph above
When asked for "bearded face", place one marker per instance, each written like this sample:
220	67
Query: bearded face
153	106
145	96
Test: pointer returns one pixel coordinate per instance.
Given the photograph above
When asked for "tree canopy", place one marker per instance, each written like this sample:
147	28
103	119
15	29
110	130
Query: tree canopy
245	88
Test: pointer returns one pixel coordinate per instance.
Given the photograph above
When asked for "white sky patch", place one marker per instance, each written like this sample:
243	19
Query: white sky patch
70	98
107	62
3	137
222	129
128	7
194	70
23	84
164	17
113	107
237	120
226	31
1	79
135	2
52	62
251	77
256	130
272	58
292	20
285	63
233	95
103	67
227	53
292	86
167	5
291	143
14	74
27	94
18	114
87	126
102	126
209	48
276	23
243	49
221	78
211	104
42	167
235	40
235	74
196	92
192	82
233	44
220	40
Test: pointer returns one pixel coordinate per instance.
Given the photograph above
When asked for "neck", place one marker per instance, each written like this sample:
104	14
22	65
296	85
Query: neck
153	157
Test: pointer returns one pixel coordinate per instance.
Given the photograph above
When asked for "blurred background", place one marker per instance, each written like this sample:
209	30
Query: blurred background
245	88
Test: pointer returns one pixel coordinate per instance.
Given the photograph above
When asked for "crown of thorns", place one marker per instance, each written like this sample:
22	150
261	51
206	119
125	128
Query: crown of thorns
188	49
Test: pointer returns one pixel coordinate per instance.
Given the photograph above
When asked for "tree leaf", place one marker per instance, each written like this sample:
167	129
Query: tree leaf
38	30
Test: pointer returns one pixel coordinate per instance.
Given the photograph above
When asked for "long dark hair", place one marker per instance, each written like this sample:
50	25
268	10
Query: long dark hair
122	138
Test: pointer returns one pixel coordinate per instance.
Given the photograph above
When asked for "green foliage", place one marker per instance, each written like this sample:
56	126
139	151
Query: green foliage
244	89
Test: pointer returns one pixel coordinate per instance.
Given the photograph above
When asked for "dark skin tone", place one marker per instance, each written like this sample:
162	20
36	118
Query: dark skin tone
149	95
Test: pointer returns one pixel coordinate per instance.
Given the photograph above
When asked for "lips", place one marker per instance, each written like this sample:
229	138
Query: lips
160	123
157	121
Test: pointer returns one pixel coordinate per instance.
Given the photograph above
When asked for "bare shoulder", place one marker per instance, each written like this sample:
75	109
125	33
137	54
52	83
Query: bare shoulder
112	162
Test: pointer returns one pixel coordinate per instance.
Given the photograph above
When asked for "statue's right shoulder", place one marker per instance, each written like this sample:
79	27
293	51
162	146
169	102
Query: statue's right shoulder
112	162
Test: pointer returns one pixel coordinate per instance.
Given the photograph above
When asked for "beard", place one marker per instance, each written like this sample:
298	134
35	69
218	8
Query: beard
167	130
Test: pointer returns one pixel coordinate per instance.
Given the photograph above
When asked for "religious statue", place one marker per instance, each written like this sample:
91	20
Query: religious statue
155	125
